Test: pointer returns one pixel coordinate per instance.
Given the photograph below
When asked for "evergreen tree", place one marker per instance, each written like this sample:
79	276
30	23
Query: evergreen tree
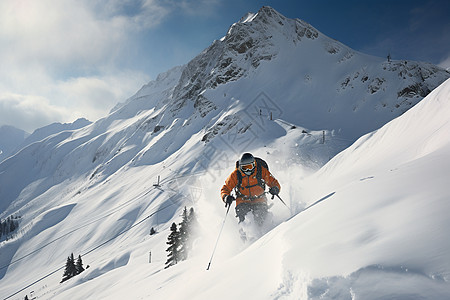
79	265
8	226
192	221
12	224
174	243
2	228
187	229
70	269
66	274
73	268
184	235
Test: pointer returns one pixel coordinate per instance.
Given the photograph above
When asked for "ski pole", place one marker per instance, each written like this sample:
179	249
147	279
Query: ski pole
282	201
217	241
273	196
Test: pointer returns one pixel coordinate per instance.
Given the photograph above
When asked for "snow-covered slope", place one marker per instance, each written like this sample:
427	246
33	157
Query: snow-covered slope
266	66
273	86
46	131
10	138
379	234
383	228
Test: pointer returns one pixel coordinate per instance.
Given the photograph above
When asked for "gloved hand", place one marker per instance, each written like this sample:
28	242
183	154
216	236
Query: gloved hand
228	200
274	190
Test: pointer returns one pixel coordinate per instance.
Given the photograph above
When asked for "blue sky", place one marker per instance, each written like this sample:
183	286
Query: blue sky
77	58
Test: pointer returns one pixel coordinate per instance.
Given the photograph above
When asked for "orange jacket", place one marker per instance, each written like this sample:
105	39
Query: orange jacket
249	186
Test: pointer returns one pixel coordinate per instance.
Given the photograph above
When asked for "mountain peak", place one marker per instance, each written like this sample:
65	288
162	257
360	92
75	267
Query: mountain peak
247	17
265	13
270	13
255	38
272	86
268	23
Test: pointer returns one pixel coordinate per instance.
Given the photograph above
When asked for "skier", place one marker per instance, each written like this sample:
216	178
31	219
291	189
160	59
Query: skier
248	181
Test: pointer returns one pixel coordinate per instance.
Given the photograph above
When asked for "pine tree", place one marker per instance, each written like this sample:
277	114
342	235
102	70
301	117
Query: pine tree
66	274
192	219
8	226
79	265
70	269
192	222
12	224
73	268
184	235
174	243
2	228
187	229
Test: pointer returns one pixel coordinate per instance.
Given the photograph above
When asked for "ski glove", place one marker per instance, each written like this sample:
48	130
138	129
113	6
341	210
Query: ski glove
228	200
274	190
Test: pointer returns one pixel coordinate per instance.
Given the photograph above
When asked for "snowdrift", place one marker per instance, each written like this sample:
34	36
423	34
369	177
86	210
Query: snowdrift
375	215
377	230
376	227
381	234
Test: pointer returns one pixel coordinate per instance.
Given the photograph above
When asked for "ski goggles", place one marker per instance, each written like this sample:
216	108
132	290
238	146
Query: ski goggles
248	167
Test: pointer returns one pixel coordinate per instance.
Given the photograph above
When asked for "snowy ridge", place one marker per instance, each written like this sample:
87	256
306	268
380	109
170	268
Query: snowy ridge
278	88
415	130
46	131
391	185
10	138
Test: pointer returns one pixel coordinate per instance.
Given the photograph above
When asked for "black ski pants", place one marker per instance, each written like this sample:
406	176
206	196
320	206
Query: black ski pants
259	210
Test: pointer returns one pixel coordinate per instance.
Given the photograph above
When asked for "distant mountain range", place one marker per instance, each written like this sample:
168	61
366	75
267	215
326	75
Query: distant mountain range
13	139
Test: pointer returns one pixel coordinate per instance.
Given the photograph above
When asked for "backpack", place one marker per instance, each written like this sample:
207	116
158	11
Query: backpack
260	163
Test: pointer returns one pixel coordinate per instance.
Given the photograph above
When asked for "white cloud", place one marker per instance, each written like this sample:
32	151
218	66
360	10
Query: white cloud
58	34
95	96
88	97
29	112
65	59
197	7
130	14
68	58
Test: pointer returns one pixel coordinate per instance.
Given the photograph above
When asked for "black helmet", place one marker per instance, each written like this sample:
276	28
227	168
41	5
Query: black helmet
247	163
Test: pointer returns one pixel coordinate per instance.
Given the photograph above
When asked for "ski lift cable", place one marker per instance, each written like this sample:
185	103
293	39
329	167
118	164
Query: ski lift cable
93	249
114	210
111	212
